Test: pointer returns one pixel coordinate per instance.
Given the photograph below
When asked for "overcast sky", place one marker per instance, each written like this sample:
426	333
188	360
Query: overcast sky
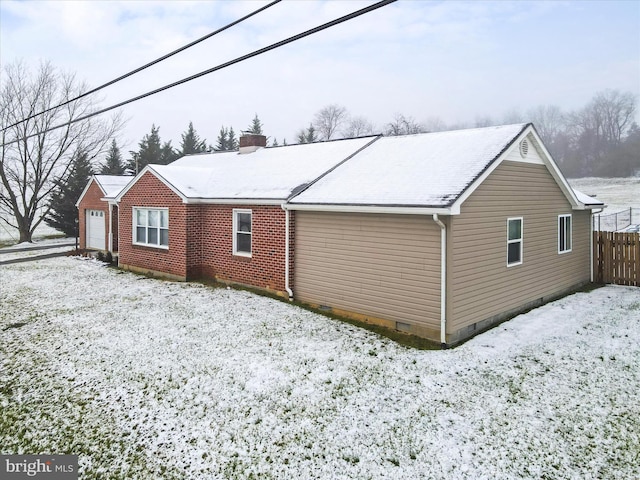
454	60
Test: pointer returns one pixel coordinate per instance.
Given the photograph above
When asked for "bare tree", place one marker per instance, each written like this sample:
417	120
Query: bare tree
435	124
482	121
548	120
357	127
401	125
598	130
328	121
34	158
513	116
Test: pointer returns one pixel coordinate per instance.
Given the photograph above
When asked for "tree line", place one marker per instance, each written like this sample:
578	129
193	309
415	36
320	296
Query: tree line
42	168
600	139
151	149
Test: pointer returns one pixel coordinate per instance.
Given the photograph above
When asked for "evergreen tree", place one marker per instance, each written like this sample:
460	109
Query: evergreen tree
63	213
151	150
226	141
222	142
113	164
275	142
311	134
307	135
233	141
191	142
255	127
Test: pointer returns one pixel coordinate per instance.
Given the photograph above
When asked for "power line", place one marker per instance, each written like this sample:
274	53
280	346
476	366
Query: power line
150	64
255	53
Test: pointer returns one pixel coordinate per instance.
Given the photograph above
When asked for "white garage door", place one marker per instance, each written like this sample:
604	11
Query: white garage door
95	229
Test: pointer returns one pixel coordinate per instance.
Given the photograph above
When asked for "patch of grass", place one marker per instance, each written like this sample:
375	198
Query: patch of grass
14	325
405	339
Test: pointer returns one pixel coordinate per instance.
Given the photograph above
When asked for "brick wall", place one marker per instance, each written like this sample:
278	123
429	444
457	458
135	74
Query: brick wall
148	191
201	239
91	201
213	255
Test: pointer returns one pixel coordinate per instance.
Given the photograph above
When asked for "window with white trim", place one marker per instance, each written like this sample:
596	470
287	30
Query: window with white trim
514	241
242	232
564	233
151	227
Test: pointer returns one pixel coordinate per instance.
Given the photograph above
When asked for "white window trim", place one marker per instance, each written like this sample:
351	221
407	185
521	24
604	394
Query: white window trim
560	251
236	211
134	225
521	240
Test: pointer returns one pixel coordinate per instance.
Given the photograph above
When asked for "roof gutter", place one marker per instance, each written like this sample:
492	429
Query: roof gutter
402	210
233	201
443	280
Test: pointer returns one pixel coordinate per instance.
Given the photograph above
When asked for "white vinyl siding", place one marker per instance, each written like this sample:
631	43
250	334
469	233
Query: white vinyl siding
514	241
564	233
242	232
151	227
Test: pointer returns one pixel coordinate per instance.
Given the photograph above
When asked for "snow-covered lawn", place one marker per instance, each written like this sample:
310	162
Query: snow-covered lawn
150	379
11	235
37	248
617	193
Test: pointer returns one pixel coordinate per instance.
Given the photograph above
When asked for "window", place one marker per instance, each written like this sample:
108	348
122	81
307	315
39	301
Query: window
242	232
514	241
564	233
151	227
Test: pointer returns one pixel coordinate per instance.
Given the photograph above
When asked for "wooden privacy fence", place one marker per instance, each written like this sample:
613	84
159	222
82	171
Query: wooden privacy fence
616	258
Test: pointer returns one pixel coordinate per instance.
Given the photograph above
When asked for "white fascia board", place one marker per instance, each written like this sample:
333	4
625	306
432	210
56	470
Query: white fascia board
149	168
367	209
86	188
548	162
234	201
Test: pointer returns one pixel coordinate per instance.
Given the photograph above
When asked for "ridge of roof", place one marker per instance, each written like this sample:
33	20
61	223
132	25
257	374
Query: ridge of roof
430	169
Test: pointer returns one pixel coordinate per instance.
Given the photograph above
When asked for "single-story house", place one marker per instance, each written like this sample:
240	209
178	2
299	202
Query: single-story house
220	215
442	234
97	215
439	234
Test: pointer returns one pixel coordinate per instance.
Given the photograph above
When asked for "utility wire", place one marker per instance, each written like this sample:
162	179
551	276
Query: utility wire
255	53
150	64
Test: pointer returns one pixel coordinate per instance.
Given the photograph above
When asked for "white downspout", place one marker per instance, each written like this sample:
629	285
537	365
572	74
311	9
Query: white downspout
110	220
443	280
286	252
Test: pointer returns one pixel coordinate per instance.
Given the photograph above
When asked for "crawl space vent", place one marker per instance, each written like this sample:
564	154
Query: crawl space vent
524	148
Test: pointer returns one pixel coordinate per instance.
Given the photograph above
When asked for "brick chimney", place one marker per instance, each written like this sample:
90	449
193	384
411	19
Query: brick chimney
250	142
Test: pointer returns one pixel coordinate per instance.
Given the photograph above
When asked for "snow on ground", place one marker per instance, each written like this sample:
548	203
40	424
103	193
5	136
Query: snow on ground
8	233
144	378
39	247
617	193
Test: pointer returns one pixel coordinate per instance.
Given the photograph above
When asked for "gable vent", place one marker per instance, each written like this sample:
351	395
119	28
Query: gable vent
524	148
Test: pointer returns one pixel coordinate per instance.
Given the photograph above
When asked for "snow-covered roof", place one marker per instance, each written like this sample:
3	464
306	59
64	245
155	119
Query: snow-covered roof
586	199
266	174
427	170
112	184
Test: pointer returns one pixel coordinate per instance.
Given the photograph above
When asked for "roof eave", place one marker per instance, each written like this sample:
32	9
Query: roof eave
360	208
234	201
